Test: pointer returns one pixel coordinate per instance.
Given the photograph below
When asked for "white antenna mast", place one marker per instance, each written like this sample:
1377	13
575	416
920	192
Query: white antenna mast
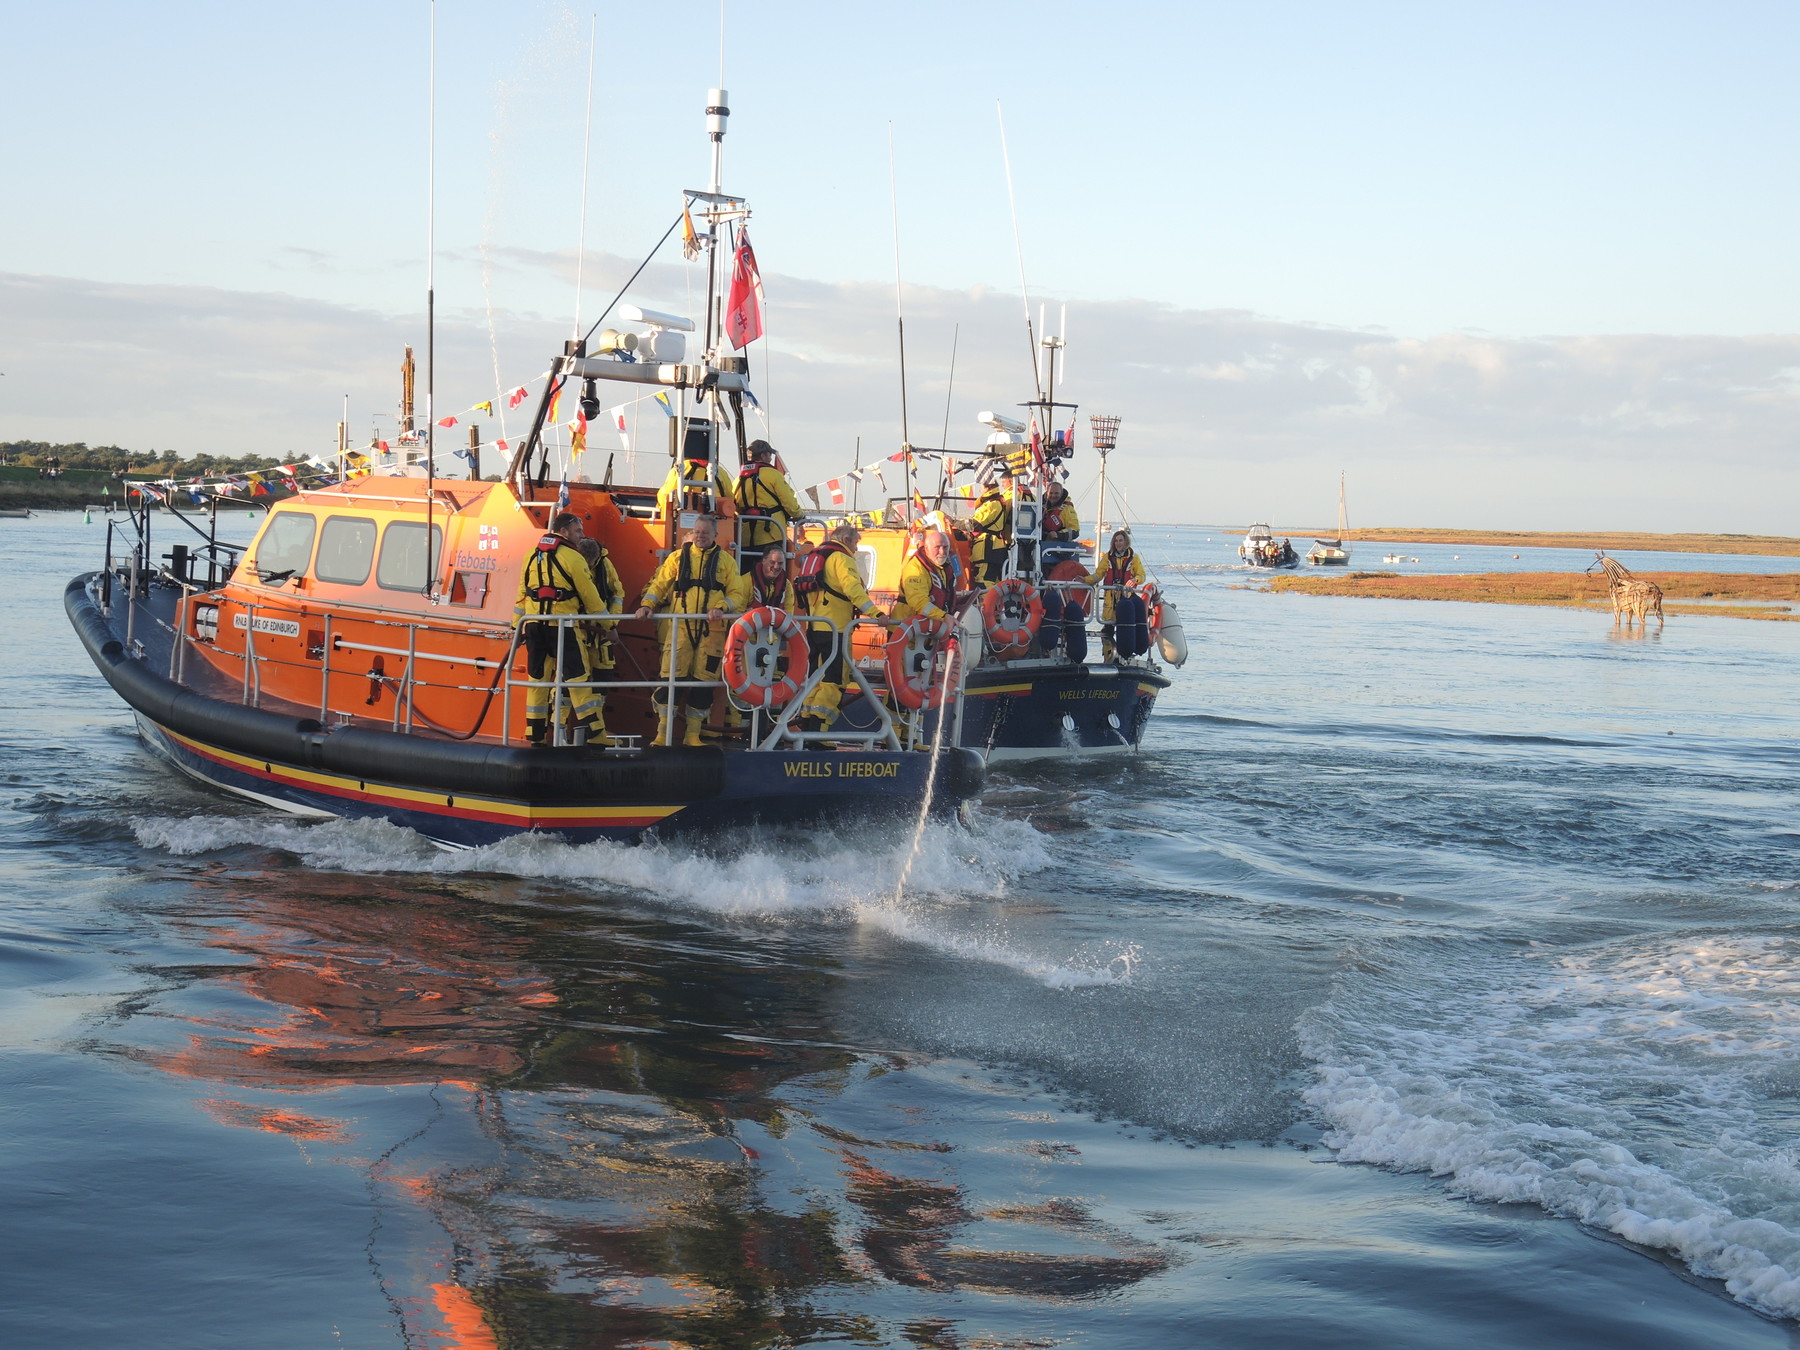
587	141
718	110
1062	338
430	587
1037	377
899	311
718	113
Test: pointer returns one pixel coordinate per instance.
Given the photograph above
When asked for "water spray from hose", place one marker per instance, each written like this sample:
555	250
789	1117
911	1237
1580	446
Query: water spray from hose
937	745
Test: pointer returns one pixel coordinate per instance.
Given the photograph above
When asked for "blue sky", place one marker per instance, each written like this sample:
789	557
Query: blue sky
1405	171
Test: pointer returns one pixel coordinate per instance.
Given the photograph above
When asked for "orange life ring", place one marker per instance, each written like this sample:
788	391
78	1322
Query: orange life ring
1070	570
750	665
1012	612
912	663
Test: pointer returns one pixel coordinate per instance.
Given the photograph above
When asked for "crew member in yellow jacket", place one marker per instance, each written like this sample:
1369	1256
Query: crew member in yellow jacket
926	586
768	583
700	579
557	580
597	638
830	587
992	522
1123	614
766	504
1062	523
669	495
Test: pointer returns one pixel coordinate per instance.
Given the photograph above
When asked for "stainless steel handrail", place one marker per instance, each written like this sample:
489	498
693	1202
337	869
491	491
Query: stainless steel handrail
344	645
407	681
558	685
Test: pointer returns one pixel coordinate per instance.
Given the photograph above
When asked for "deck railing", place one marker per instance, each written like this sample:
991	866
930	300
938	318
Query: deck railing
414	646
768	729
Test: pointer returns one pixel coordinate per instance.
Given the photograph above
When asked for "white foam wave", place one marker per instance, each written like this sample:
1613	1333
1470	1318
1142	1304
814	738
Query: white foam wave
1638	1087
1105	964
831	877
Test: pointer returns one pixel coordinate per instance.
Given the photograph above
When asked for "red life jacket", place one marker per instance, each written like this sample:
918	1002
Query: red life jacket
547	567
941	592
810	580
1118	572
766	592
749	489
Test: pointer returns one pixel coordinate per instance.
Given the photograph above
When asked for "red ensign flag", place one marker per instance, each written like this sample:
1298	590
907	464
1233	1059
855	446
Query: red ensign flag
743	307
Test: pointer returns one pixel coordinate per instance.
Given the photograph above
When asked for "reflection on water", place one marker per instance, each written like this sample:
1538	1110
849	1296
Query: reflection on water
337	989
1469	890
658	1160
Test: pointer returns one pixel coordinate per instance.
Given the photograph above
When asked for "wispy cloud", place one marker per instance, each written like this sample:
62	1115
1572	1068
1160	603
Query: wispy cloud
1228	414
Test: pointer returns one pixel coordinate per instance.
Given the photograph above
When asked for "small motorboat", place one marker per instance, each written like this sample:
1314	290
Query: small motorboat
1261	549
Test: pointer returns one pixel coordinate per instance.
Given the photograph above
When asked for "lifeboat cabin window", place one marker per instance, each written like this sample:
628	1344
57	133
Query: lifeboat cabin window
469	588
346	550
403	566
285	547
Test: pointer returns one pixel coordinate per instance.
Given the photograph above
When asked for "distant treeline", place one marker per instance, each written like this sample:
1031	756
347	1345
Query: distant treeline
115	460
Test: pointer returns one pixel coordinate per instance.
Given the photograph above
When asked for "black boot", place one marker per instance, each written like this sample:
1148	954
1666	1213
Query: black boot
536	728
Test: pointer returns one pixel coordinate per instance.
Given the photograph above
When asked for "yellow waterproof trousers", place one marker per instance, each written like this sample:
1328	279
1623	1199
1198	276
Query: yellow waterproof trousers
697	648
825	648
541	643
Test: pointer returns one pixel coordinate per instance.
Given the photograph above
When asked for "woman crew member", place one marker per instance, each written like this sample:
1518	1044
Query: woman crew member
1123	615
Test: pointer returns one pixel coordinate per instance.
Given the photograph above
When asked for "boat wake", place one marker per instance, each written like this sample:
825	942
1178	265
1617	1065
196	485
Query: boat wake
1640	1086
792	877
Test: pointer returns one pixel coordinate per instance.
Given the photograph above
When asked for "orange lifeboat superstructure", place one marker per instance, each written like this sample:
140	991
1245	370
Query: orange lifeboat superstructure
362	657
334	608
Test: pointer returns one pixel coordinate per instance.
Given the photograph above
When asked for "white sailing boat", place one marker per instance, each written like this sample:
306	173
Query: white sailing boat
1333	552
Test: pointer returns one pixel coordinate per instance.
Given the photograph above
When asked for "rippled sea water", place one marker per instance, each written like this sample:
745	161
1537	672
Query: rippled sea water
1432	978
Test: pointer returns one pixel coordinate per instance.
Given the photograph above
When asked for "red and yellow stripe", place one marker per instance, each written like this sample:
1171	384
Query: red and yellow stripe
999	689
521	815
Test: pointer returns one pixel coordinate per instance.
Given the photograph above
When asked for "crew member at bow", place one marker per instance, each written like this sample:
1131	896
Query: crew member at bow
597	638
766	504
992	523
1061	522
701	580
830	587
1123	614
557	581
926	586
768	584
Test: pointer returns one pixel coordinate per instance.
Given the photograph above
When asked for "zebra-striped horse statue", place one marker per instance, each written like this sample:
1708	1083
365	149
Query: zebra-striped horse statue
1629	595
